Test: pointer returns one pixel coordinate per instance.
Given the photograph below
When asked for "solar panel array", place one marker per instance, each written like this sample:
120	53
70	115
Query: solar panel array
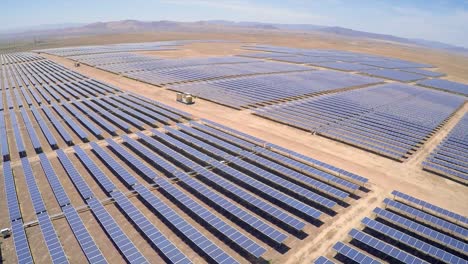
393	120
67	111
446	85
255	91
450	158
204	192
407	230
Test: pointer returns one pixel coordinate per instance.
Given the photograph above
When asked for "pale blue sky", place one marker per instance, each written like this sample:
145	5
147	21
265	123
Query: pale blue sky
441	20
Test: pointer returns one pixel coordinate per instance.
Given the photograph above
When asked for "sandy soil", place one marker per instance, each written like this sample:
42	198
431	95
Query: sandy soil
385	175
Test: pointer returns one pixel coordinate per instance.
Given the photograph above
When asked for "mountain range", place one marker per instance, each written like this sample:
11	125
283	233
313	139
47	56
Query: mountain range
127	26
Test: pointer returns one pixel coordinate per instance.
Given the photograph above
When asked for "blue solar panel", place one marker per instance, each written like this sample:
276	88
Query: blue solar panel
412	242
198	239
34	192
54	182
113	230
17	133
23	253
427	218
115	111
430	207
395	75
58	125
75	127
169	250
154	112
53	244
89	247
234	191
384	248
107	114
245	165
32	133
10	191
76	178
96	118
84	121
44	128
4	138
323	260
422	230
353	254
132	112
446	85
270	193
235	211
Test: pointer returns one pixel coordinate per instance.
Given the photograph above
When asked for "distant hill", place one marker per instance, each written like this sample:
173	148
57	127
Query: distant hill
126	26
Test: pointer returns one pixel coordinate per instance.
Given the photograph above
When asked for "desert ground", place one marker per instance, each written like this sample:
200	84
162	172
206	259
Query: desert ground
384	175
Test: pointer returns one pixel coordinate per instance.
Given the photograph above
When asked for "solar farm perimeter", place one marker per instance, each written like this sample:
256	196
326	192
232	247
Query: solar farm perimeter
95	172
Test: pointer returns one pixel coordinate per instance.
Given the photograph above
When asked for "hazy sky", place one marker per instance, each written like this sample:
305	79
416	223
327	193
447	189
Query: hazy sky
442	20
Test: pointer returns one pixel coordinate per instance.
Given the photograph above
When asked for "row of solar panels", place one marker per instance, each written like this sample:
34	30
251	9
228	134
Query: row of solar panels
83	121
382	67
255	91
190	149
408	230
391	119
18	57
450	158
36	95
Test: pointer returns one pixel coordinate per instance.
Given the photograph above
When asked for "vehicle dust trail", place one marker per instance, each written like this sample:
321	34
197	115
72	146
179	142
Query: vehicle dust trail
417	158
334	231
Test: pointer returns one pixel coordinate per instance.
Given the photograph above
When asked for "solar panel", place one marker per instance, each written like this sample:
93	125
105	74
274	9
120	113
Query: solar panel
430	207
58	126
383	247
412	242
96	118
422	230
353	254
427	218
84	121
23	253
269	192
323	260
132	112
254	169
17	133
53	244
10	191
244	242
107	114
198	239
169	250
115	111
152	113
77	129
34	192
113	230
446	85
44	128
235	192
57	188
31	132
